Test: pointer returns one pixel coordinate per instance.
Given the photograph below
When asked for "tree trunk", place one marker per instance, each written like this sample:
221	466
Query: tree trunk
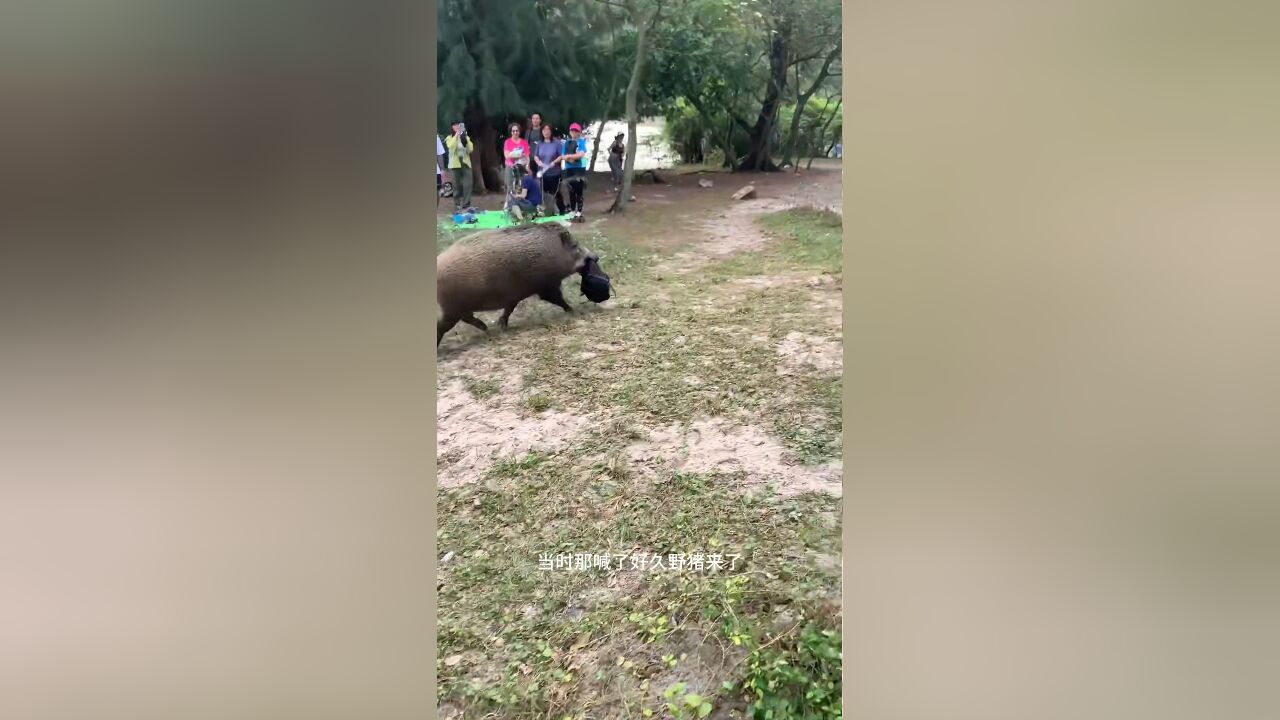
595	145
485	158
725	142
788	146
608	107
633	90
822	134
827	124
802	99
730	155
758	153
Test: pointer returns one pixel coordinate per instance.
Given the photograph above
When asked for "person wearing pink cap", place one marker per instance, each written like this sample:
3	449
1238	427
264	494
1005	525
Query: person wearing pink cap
575	170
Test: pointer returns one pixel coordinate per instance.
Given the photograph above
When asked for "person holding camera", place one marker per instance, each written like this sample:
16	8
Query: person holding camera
460	148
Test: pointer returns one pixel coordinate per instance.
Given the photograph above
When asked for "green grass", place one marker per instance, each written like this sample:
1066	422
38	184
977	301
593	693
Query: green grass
710	352
810	238
804	239
481	388
537	402
565	653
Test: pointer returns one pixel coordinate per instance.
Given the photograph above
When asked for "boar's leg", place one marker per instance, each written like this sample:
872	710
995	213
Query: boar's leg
554	296
443	326
475	322
506	314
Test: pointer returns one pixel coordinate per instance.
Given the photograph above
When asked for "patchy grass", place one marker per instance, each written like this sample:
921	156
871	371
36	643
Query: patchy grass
704	355
624	261
481	388
812	424
537	402
518	641
709	351
803	239
809	238
760	639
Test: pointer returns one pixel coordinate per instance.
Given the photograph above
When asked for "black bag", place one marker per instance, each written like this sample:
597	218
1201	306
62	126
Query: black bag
595	283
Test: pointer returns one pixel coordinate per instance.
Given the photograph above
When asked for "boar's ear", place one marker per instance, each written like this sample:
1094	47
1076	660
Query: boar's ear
566	239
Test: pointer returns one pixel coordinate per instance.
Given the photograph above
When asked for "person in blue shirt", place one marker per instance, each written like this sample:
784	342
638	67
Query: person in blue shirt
575	170
527	196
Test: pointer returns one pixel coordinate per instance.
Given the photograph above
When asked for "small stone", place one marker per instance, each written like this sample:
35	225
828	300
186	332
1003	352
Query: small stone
452	660
705	183
783	621
447	557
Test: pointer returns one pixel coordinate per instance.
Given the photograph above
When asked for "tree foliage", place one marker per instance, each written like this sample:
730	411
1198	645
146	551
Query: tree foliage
727	74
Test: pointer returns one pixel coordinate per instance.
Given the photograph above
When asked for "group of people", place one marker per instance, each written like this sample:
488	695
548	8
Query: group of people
536	164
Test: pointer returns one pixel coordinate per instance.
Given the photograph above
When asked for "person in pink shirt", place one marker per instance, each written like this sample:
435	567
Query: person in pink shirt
514	149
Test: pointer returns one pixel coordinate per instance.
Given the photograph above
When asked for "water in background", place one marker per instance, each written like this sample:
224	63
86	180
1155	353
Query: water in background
652	149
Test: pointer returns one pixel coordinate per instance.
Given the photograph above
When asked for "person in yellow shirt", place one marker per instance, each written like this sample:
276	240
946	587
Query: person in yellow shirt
460	148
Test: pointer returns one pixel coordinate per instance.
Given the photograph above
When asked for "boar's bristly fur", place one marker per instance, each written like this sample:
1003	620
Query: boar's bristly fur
496	270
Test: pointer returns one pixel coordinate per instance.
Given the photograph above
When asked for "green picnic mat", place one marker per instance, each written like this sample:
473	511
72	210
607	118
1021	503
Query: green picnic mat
494	219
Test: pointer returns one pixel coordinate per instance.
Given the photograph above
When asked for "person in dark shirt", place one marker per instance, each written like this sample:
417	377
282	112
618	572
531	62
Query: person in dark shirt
527	196
617	152
533	135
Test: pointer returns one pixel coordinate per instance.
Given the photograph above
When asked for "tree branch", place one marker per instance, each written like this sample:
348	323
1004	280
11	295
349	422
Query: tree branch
805	59
823	74
653	21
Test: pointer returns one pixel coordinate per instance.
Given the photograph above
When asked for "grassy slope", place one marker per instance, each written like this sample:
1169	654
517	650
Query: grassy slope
523	642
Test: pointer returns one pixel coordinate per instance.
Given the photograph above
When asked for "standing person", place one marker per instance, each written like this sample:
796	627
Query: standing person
460	148
547	158
617	151
514	148
533	135
575	169
440	163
